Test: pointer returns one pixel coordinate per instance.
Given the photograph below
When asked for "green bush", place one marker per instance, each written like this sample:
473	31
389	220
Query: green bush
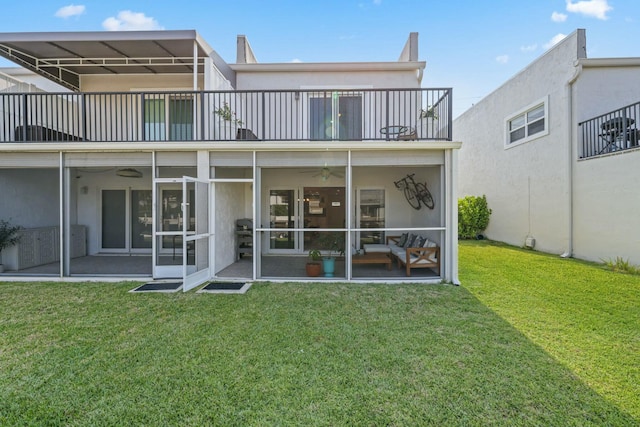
473	216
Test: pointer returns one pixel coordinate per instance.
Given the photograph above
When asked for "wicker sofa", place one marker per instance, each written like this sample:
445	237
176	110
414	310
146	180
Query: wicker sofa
410	251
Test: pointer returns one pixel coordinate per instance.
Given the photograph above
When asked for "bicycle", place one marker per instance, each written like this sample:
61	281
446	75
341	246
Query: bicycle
416	193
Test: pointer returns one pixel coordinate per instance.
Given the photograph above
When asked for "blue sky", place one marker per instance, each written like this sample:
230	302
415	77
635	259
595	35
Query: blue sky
470	45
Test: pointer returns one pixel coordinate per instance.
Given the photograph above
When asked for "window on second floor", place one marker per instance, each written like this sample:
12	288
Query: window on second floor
527	124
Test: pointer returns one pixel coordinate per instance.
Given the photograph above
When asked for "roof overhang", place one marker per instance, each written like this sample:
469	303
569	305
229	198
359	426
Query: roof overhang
65	57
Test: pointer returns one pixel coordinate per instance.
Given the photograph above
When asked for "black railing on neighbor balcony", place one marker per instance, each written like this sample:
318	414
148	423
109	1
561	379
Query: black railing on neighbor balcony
288	115
611	132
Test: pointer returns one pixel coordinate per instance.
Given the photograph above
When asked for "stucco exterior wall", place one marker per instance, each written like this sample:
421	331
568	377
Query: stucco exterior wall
606	199
526	185
301	80
600	90
229	205
30	197
607	207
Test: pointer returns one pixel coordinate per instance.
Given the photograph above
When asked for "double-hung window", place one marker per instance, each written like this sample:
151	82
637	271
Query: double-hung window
527	124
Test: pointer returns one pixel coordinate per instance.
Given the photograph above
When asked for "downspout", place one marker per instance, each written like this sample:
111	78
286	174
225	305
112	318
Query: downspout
570	139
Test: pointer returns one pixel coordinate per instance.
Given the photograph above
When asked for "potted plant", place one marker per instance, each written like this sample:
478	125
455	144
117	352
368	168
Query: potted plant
227	122
314	267
8	237
428	125
334	243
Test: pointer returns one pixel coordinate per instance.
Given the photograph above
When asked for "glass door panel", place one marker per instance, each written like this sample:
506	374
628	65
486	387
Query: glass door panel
372	215
141	219
154	119
350	118
335	116
181	118
114	220
168	230
321	126
196	233
282	214
324	207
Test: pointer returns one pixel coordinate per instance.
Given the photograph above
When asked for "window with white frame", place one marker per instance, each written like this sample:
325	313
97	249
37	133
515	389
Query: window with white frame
527	124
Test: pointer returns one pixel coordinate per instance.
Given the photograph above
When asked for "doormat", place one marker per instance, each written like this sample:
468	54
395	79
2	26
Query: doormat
226	287
159	287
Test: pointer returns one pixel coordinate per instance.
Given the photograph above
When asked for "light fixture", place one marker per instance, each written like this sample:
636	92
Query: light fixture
325	173
129	173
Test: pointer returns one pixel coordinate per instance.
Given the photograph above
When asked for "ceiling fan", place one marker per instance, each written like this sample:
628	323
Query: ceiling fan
324	173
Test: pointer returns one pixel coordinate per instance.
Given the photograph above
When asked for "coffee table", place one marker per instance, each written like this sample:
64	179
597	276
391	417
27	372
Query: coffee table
372	258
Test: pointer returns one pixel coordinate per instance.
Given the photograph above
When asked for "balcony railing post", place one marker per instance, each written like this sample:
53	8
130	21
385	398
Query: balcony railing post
264	116
24	116
143	128
450	114
84	117
386	124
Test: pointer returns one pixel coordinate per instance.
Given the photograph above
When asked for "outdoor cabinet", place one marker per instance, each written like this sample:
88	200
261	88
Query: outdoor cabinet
39	246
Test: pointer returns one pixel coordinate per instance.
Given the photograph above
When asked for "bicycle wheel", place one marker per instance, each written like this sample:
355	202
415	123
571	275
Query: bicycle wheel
410	195
424	195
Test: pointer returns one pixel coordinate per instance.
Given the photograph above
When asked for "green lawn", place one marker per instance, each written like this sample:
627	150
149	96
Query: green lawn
327	354
585	316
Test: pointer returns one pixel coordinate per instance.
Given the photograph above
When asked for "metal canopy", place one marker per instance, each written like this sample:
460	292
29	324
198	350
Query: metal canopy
65	56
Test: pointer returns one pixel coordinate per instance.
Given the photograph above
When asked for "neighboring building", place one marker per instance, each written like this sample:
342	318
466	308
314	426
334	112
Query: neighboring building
555	150
161	160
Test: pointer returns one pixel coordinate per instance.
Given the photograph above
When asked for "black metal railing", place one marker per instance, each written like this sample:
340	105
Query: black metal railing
289	115
610	132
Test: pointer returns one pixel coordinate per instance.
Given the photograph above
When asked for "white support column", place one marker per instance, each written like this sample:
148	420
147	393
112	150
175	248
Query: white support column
256	195
350	212
451	217
195	65
64	205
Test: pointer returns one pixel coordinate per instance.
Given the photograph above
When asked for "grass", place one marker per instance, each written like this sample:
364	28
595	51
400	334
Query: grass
319	354
582	314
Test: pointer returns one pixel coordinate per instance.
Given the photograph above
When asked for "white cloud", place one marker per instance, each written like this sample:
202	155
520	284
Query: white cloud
593	8
502	59
558	17
296	60
71	10
130	21
529	48
554	40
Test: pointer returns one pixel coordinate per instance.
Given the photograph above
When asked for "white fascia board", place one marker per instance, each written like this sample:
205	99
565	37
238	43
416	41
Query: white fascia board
329	66
609	62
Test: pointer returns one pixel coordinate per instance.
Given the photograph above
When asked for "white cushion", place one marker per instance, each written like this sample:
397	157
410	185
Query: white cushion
376	248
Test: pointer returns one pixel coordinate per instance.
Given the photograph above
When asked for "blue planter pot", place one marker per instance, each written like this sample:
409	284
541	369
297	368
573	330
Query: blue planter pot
329	266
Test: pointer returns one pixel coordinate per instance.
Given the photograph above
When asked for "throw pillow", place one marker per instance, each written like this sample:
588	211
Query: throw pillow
419	242
402	240
410	240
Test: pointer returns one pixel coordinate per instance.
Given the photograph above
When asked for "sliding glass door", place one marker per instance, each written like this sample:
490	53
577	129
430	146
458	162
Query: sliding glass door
125	220
335	116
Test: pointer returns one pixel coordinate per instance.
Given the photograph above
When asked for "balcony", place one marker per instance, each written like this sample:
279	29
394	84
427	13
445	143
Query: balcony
208	116
611	132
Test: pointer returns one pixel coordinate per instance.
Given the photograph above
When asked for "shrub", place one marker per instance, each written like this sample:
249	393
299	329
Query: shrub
473	216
